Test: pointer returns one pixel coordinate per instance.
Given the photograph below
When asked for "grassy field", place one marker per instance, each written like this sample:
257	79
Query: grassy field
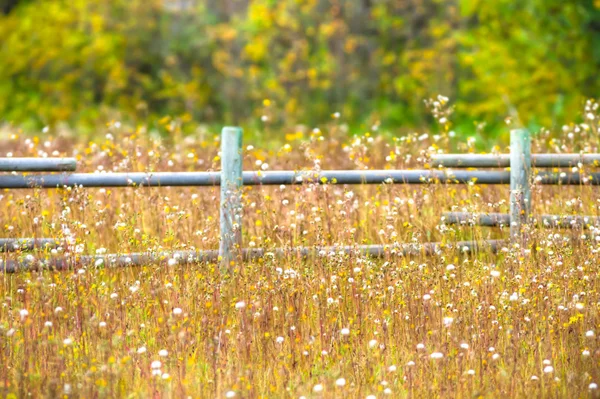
521	323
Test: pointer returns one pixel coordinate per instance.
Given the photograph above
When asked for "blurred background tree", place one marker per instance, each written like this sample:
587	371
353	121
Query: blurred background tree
296	61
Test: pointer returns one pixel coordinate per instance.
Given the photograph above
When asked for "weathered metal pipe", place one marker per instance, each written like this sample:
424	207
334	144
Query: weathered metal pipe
31	263
503	219
503	160
192	179
26	244
472	219
37	164
196	179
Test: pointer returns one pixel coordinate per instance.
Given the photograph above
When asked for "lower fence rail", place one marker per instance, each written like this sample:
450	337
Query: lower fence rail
27	244
31	263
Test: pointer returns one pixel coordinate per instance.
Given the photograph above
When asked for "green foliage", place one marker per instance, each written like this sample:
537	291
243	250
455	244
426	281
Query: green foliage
375	61
538	57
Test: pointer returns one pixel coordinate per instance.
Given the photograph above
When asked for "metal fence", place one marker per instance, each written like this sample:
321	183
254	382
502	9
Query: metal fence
231	179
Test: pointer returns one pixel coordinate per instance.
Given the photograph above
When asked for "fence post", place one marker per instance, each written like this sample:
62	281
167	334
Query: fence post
230	247
520	189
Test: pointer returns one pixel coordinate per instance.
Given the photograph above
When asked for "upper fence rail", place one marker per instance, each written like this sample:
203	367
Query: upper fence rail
198	179
37	164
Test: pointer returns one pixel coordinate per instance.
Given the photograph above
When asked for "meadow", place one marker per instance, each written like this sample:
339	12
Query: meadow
520	323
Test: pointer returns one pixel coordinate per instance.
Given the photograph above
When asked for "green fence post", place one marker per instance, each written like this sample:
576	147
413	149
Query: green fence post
230	248
520	189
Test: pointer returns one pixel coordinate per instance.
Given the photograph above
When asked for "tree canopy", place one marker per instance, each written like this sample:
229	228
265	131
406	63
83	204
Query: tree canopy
297	61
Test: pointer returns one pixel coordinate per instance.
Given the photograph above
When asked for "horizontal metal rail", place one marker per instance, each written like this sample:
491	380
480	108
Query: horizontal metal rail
37	164
503	219
503	160
194	179
26	244
31	263
165	179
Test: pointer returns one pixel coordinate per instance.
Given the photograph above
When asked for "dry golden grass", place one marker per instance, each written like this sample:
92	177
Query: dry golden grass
524	322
